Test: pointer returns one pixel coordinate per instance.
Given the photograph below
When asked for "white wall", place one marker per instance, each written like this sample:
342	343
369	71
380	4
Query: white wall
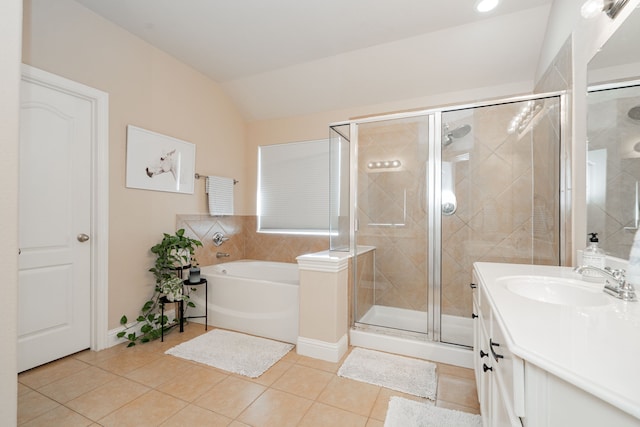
10	45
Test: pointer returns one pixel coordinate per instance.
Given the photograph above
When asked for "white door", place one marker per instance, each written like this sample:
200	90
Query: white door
54	307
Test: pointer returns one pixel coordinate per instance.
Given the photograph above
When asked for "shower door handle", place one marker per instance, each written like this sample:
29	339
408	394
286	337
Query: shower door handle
636	212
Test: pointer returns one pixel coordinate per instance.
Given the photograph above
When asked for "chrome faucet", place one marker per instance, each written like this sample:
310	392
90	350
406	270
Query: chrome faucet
219	238
222	255
620	288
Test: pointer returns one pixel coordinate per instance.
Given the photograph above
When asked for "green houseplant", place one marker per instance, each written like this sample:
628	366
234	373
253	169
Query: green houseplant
173	253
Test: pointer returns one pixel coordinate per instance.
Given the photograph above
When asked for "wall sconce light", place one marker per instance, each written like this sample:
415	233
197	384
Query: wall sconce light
385	164
591	8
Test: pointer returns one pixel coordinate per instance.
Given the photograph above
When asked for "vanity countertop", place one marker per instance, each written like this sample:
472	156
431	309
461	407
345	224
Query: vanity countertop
594	348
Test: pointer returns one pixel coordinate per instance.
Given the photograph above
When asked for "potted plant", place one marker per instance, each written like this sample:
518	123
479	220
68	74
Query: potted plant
173	254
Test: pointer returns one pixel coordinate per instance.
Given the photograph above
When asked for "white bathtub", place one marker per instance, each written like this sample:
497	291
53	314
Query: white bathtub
256	297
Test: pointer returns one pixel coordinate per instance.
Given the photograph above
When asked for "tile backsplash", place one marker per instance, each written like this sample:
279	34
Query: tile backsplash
244	241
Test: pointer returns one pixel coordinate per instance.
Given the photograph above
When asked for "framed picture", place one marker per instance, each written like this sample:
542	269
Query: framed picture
159	162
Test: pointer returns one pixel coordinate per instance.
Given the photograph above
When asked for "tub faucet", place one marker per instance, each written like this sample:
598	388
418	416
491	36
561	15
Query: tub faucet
222	255
615	283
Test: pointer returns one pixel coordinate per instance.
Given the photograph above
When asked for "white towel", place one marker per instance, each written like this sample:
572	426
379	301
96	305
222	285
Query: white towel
220	191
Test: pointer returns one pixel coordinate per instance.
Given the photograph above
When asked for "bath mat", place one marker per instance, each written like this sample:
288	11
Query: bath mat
409	413
412	376
233	352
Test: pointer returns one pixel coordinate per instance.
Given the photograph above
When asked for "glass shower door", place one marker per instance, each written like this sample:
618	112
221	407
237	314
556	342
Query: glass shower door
393	224
500	197
436	192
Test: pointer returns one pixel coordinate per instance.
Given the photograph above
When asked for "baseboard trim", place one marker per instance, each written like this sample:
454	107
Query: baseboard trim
112	334
331	352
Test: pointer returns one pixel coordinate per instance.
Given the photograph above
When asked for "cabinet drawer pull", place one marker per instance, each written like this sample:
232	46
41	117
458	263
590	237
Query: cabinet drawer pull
473	315
486	368
493	352
473	285
483	354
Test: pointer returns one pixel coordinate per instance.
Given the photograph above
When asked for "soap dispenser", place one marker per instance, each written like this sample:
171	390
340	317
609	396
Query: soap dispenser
593	256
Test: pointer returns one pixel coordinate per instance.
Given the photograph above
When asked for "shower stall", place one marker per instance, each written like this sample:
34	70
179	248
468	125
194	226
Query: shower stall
419	197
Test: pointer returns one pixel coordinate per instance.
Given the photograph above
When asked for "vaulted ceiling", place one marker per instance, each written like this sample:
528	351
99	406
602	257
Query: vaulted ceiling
278	58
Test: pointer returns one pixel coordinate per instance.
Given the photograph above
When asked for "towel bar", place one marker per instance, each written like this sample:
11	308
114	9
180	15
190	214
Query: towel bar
198	176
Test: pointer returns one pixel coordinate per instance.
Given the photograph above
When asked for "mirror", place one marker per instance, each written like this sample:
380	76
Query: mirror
613	140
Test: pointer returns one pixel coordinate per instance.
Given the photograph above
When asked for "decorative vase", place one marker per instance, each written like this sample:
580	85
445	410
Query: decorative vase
194	275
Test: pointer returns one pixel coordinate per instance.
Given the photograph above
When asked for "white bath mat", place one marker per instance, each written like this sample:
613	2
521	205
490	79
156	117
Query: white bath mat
233	352
412	376
409	413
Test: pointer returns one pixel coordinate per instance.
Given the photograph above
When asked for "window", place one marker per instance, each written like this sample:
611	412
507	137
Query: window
293	188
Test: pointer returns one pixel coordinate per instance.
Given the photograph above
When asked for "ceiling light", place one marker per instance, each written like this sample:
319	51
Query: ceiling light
486	5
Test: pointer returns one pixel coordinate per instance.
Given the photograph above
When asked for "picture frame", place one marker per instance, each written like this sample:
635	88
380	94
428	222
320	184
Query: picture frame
158	162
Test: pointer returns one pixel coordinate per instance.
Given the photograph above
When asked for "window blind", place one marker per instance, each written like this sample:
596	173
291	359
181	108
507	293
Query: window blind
293	187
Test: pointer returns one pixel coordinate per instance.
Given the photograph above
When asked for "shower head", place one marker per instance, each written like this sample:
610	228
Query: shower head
634	113
456	133
460	131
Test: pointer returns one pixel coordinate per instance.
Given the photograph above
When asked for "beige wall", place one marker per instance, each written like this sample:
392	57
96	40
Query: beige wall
152	90
10	37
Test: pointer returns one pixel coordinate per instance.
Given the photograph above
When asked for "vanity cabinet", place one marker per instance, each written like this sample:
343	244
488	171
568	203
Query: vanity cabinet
516	382
499	390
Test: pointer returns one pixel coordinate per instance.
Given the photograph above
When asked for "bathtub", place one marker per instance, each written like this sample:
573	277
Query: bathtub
255	297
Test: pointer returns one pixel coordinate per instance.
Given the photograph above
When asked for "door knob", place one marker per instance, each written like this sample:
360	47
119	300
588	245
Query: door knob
82	237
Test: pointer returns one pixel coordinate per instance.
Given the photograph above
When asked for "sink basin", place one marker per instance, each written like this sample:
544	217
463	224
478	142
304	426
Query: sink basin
552	290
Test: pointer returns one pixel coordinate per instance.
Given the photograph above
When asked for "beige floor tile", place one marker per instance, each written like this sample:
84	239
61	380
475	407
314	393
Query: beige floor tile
321	415
374	423
93	357
159	371
455	406
230	397
128	361
45	374
354	396
107	398
143	386
303	381
457	390
33	404
66	389
455	371
319	364
292	356
59	416
272	374
276	408
193	415
157	407
192	382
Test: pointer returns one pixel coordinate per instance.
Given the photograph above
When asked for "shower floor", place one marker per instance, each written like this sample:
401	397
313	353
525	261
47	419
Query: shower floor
454	329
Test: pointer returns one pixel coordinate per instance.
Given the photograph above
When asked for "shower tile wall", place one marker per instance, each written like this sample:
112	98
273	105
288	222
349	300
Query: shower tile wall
365	279
392	213
559	77
244	241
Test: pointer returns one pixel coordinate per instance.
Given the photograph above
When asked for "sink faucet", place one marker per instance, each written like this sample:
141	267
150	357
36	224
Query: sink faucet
620	288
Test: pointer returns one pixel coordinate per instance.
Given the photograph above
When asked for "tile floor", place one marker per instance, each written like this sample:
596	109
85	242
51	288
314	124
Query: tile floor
141	386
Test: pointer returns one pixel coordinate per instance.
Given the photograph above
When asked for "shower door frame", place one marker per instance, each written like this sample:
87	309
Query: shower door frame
434	213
